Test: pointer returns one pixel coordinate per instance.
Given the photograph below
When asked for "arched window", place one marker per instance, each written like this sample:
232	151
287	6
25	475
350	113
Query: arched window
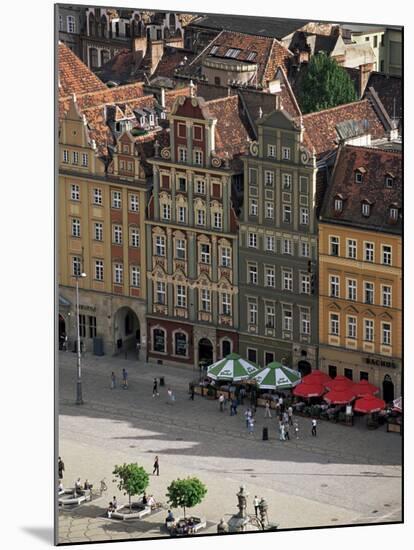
71	24
91	24
225	348
93	58
104	29
338	204
159	340
172	20
180	344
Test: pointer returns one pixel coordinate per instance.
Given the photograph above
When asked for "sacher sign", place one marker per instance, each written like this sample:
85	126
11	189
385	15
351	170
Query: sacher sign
380	362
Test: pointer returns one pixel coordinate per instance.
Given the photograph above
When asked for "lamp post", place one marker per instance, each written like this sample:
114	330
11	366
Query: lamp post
79	400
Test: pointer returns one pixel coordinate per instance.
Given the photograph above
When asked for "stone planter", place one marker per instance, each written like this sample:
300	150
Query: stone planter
69	498
138	511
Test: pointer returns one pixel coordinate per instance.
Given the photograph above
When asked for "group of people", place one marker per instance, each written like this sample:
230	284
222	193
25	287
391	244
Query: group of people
182	527
112	507
124	380
149	501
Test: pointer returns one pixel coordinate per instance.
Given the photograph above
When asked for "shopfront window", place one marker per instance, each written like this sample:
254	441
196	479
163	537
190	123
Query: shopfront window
159	340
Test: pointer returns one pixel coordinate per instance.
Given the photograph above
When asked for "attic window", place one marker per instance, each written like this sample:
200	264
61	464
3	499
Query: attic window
214	50
366	209
359	175
389	181
338	204
232	52
251	56
393	213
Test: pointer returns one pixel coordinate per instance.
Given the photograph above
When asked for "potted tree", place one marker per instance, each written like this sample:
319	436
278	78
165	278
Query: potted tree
133	480
187	493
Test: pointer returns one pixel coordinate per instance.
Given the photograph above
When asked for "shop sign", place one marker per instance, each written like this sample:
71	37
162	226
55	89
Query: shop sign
380	363
87	308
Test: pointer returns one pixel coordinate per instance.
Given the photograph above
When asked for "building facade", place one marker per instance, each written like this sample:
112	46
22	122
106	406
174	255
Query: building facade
278	248
70	24
360	261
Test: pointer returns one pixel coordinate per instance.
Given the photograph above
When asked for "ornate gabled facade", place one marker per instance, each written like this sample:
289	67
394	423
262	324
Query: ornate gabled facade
278	247
191	231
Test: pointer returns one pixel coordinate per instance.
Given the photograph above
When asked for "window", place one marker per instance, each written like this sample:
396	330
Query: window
269	210
225	303
287	278
386	334
205	253
253	208
369	293
366	209
304	249
305	321
363	375
252	240
269	178
286	153
351	327
118	273
76	266
180	249
160	292
165	181
198	132
334	246
71	24
134	237
61	28
253	176
85	159
269	276
182	130
226	256
133	202
99	270
351	289
135	276
252	355
369	252
82	325
98	231
386	254
375	41
389	182
369	330
205	299
386	296
166	211
332	371
252	313
287	213
351	248
200	187
270	316
334	286
97	196
251	56
305	283
159	245
358	177
75	157
334	324
182	214
65	156
287	246
271	151
116	199
304	216
214	50
76	227
182	154
303	184
338	205
270	243
117	234
232	52
252	274
159	340
348	374
201	217
198	157
181	296
393	213
75	192
287	319
217	220
287	182
182	185
180	344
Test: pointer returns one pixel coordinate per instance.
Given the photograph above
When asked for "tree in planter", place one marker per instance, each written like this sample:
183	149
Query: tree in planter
325	85
132	479
186	493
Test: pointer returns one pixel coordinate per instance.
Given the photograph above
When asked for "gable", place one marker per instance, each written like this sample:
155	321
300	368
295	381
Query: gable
279	119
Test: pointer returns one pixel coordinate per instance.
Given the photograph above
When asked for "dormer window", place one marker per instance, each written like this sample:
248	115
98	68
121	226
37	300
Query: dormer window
366	209
359	175
251	56
389	181
393	213
338	205
232	52
142	121
151	120
214	50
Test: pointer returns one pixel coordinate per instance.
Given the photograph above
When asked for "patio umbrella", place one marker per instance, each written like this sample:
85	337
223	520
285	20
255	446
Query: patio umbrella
276	376
364	387
316	377
231	368
369	404
308	390
340	397
339	383
397	405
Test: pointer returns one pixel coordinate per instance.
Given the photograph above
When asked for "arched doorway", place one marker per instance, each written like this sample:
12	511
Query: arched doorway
304	367
126	329
205	351
62	331
388	389
225	348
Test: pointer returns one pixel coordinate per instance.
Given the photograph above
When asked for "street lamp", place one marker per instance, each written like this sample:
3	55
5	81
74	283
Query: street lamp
79	400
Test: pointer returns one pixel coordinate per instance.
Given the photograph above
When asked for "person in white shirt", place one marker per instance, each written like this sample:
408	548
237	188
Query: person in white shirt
314	427
267	413
256	505
221	402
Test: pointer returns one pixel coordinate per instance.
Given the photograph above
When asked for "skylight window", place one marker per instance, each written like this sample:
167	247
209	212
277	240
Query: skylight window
251	56
214	50
232	52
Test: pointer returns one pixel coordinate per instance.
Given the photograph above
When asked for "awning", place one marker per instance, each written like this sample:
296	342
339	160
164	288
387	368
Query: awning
308	390
369	404
232	368
364	388
340	397
276	376
64	302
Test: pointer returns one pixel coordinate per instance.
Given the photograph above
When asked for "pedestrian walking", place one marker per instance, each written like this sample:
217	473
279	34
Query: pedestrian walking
156	468
285	418
287	434
297	430
281	431
113	380
314	427
124	379
290	414
234	403
281	405
267	413
221	402
250	426
192	392
171	396
61	468
256	502
155	392
247	416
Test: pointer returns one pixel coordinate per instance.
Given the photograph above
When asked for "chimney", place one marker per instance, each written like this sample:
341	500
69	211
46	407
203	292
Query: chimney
363	77
139	44
163	98
156	51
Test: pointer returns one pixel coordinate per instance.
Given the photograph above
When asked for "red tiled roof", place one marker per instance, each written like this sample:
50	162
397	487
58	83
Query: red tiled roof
231	134
171	59
377	164
74	75
171	95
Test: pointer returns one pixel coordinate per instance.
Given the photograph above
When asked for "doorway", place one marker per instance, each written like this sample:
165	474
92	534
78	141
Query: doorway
225	348
62	331
304	367
388	389
205	352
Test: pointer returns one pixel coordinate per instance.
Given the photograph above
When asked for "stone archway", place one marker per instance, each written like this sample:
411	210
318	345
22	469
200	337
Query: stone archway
388	389
205	352
226	347
127	330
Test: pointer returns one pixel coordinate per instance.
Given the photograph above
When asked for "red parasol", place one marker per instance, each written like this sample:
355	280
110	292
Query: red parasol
369	404
308	390
339	383
340	397
316	377
364	388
